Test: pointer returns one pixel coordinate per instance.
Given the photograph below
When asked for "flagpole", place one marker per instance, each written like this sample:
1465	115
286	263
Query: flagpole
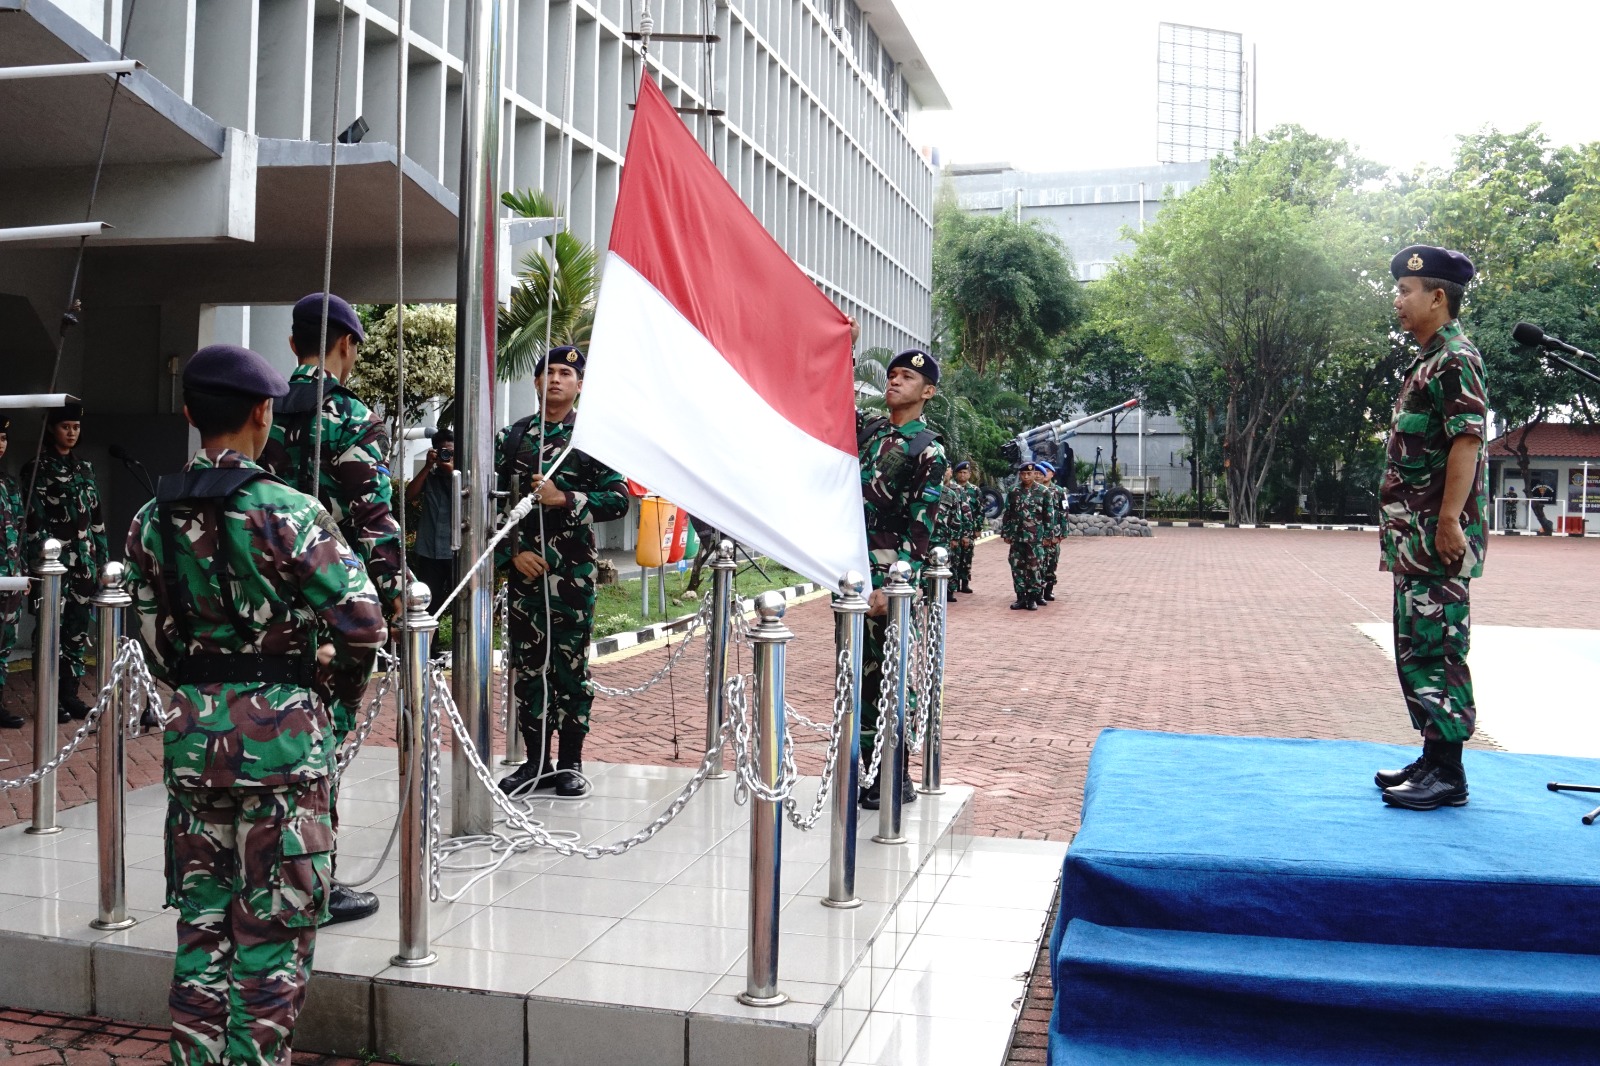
472	806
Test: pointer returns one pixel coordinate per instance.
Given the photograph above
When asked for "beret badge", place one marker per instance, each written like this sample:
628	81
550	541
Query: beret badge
1415	262
572	357
917	360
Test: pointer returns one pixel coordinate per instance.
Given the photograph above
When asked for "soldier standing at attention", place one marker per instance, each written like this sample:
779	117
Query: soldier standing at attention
353	485
1433	511
947	528
964	497
1027	517
11	565
902	467
250	605
550	565
65	504
1054	532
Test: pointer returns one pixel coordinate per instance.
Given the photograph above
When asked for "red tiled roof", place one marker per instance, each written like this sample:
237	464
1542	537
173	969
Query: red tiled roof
1554	440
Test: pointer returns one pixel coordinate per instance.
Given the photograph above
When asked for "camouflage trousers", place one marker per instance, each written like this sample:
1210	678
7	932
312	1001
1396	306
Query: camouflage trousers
77	634
872	654
248	871
9	612
1027	570
563	689
961	565
1432	634
1052	559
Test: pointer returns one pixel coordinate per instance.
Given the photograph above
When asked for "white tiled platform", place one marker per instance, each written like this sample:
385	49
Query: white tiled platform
631	960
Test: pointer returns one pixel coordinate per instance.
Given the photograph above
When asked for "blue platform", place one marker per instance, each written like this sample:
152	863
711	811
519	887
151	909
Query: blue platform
1233	900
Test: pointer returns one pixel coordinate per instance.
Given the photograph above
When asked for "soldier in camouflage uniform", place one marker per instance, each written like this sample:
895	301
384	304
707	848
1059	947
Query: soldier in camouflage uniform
550	567
963	498
1024	526
947	527
353	485
253	608
1433	536
1055	533
65	504
11	565
902	467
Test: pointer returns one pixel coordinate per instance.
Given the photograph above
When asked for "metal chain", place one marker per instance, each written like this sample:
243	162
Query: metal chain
886	672
929	702
390	680
129	661
699	627
747	778
843	695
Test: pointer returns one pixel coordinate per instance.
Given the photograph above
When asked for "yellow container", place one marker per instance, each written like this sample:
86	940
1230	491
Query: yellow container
658	528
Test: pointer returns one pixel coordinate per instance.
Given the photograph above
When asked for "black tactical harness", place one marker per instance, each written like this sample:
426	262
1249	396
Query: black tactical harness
209	490
294	413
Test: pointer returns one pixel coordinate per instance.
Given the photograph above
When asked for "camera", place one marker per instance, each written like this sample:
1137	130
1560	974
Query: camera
447	455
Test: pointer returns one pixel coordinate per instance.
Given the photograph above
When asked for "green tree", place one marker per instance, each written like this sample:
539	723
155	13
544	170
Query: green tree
430	336
554	301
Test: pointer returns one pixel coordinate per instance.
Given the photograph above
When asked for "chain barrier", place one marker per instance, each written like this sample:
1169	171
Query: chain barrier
842	698
390	681
887	672
699	626
128	666
747	780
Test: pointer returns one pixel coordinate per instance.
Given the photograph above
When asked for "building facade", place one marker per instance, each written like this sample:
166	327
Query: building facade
216	176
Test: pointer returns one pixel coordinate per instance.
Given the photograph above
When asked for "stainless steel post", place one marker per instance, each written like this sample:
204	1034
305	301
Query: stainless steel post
110	775
932	745
661	589
415	727
849	621
771	638
473	809
717	681
644	593
47	683
891	772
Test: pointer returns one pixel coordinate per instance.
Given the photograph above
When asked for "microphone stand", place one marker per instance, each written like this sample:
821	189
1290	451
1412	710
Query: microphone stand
137	469
1570	365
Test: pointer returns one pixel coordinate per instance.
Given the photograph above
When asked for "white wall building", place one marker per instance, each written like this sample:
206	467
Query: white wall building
217	167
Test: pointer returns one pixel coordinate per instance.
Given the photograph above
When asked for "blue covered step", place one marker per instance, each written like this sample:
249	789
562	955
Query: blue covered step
1269	837
1163	996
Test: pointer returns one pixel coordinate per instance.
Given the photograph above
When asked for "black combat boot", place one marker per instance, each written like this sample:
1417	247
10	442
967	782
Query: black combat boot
1391	778
538	768
70	705
570	783
908	790
966	586
868	797
346	904
1050	591
1442	782
7	719
1022	605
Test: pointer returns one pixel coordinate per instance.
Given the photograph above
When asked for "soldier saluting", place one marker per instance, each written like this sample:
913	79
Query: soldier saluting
551	578
1433	538
64	503
902	466
250	605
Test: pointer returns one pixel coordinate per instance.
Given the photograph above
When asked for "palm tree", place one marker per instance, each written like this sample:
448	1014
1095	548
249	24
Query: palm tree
534	313
872	377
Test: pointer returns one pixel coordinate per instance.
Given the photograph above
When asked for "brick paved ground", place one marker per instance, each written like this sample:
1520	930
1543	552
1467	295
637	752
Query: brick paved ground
1204	630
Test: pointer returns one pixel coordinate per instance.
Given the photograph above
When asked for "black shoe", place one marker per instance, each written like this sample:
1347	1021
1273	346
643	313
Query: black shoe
10	721
1033	605
950	596
1022	605
515	781
1392	778
1436	786
1038	601
570	782
966	586
70	705
869	797
1049	592
346	904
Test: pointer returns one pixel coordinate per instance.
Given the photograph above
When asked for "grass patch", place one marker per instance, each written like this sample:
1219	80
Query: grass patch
616	608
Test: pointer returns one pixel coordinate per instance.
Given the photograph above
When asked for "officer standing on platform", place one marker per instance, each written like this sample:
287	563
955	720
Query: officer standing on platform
251	606
353	485
1055	531
65	504
12	564
902	467
1433	538
964	496
550	565
1023	527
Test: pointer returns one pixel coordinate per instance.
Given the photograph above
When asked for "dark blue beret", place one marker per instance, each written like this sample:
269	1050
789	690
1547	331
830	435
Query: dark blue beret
962	465
1426	261
342	318
230	368
71	412
1027	466
920	361
565	355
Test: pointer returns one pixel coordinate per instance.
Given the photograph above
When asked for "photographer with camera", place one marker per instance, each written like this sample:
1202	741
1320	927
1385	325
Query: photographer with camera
432	561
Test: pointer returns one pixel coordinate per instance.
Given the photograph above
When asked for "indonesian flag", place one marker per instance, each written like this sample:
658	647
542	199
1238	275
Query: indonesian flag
718	374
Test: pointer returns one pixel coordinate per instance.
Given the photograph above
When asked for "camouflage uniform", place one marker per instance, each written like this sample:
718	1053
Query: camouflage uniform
1443	397
354	486
900	494
264	576
1055	528
597	494
66	505
1026	523
12	564
967	500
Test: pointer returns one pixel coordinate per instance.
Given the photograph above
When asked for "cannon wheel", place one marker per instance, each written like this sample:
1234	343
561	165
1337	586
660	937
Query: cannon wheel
1118	502
993	503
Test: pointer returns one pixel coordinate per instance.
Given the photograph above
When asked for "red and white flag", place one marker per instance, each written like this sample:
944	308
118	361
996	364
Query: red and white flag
718	374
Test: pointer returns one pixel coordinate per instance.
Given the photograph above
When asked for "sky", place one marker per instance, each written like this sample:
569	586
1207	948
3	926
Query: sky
1071	84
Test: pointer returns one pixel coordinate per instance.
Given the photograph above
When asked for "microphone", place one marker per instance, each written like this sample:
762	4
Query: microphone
1530	334
134	466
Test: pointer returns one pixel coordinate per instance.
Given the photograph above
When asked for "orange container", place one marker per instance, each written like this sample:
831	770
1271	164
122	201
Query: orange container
658	525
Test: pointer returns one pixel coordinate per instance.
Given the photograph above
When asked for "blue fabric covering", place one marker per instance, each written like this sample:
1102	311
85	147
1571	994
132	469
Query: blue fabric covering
1236	900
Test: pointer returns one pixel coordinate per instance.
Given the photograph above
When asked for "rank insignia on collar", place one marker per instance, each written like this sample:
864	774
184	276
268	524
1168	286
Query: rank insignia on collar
917	360
1415	262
